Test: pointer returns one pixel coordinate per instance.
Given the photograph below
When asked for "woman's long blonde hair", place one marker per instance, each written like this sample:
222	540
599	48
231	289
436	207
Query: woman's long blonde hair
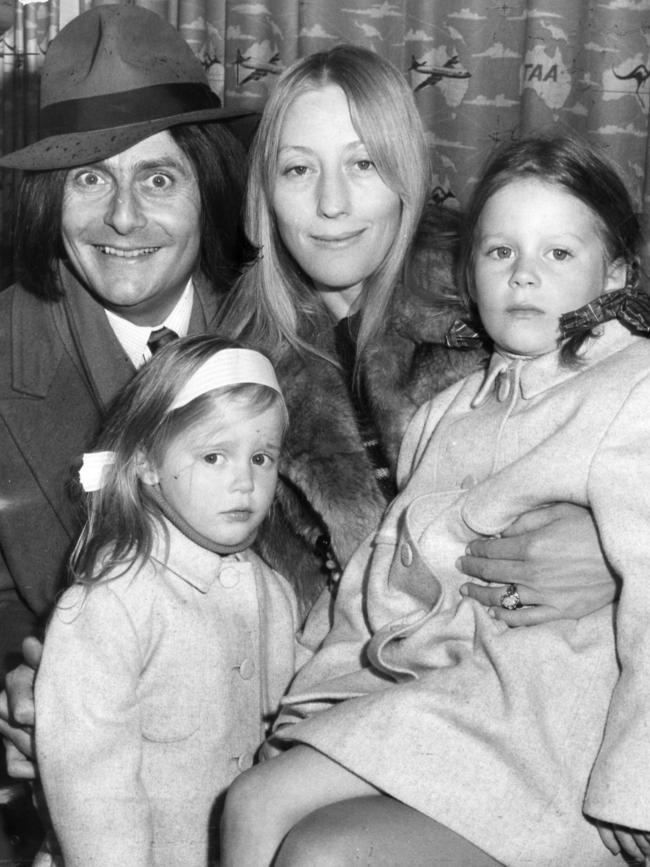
274	297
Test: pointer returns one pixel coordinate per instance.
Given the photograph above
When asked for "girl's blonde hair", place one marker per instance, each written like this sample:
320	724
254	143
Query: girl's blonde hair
274	297
121	516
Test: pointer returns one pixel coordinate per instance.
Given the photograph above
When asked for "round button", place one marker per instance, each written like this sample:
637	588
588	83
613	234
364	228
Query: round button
228	577
245	761
406	554
246	669
468	483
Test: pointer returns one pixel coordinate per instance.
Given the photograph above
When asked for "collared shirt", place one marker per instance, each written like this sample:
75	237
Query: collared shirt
133	338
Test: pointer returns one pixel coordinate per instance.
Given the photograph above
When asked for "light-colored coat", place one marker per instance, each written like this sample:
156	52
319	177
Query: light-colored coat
500	733
155	690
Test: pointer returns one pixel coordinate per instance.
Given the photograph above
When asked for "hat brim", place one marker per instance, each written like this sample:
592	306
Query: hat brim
67	150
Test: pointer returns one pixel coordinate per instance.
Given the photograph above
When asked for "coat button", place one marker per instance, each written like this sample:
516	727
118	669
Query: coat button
468	483
245	761
246	669
503	386
228	577
406	554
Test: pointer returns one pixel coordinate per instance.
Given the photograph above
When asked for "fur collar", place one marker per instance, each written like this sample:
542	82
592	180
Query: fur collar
327	484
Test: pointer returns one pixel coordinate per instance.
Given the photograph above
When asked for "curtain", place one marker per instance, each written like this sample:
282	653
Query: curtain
481	71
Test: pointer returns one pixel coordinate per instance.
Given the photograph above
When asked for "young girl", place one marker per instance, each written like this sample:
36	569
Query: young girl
461	741
166	659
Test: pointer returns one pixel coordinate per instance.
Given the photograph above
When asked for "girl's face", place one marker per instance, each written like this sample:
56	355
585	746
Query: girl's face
220	475
538	254
336	216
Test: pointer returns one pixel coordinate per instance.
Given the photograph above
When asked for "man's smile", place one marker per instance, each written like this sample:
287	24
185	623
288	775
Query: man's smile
125	254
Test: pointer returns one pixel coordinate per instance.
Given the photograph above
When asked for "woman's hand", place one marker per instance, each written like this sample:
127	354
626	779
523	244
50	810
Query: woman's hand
17	713
634	843
554	557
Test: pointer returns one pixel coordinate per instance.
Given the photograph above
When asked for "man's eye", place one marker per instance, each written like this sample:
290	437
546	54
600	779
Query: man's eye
89	179
211	458
160	181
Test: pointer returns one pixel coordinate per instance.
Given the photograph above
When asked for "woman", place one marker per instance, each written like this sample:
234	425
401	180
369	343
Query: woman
351	295
335	202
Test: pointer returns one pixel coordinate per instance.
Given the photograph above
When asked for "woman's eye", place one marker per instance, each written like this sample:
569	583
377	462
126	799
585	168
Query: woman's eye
365	165
261	459
296	171
560	254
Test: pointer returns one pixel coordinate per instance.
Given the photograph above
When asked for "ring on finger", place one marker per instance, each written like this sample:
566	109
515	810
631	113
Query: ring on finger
510	600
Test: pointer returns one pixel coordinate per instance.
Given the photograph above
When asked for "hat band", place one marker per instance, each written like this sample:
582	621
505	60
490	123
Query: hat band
127	107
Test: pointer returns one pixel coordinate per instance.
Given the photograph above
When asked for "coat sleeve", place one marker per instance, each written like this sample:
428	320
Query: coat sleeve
88	732
322	680
420	429
619	494
17	621
325	680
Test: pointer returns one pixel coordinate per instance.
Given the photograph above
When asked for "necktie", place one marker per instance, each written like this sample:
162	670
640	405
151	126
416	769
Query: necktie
160	337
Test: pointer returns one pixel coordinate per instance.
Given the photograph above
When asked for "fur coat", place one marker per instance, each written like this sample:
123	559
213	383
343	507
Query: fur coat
327	490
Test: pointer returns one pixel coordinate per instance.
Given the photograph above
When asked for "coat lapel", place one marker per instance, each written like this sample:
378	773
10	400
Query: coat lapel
50	405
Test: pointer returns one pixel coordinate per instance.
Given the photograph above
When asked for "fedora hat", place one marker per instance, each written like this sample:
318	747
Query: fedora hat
113	76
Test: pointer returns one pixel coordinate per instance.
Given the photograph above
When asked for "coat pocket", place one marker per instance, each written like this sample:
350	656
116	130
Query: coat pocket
172	691
172	716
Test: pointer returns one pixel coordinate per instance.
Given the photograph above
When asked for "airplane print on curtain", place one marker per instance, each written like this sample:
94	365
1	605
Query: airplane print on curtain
481	70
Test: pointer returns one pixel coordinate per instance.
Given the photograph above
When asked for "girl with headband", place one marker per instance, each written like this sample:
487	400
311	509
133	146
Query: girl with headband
166	659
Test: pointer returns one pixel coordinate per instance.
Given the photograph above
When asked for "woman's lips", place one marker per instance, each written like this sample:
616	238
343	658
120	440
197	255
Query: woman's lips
337	240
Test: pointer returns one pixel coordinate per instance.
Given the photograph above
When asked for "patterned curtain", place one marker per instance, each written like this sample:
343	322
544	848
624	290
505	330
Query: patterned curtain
482	70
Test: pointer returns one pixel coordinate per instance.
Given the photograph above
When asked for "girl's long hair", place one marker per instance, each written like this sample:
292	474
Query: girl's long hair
274	298
122	517
577	167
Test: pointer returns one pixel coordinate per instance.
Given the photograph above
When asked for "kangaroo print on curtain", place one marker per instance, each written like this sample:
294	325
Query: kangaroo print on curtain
481	70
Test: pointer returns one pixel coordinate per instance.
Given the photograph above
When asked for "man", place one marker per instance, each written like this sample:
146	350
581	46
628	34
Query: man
125	224
128	222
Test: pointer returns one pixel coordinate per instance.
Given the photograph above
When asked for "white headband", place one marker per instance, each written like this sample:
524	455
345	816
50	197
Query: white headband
228	367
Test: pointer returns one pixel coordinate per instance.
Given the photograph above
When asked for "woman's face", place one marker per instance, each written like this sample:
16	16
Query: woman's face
336	216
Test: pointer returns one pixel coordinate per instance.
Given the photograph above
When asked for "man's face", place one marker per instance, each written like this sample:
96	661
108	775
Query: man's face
131	228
